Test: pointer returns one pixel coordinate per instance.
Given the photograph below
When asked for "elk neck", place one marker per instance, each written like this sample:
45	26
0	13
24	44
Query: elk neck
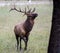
28	24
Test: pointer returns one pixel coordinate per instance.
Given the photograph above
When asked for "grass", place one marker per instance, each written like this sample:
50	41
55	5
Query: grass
39	37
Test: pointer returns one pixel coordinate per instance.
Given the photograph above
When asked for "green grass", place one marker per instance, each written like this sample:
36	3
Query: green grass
39	37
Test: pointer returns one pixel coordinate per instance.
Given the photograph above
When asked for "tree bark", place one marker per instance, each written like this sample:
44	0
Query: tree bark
54	41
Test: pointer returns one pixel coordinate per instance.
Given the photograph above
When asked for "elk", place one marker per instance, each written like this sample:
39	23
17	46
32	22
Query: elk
22	30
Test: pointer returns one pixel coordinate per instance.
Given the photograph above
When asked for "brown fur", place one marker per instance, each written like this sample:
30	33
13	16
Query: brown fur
19	29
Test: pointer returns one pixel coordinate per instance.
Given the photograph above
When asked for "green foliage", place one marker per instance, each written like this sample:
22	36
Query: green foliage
39	37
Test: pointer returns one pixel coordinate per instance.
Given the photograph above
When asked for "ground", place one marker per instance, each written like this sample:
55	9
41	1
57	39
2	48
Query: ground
39	37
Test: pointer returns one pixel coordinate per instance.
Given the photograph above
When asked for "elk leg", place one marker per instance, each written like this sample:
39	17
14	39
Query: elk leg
20	42
27	35
17	42
24	39
26	43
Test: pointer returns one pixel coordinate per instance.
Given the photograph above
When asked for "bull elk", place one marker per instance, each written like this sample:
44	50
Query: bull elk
22	30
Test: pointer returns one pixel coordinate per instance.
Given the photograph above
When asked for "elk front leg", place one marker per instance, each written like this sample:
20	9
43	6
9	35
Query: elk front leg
27	37
26	41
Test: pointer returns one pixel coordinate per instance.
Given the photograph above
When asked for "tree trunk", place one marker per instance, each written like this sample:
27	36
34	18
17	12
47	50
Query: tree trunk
54	42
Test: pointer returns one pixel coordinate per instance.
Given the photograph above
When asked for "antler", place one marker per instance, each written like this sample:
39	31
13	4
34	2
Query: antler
33	10
18	10
29	10
25	13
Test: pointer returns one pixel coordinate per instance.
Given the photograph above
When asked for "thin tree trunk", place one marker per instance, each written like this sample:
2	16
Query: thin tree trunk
54	42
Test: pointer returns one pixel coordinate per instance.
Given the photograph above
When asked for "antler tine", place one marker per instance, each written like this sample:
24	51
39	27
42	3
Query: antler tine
29	10
17	10
33	10
25	9
14	5
21	10
12	8
28	7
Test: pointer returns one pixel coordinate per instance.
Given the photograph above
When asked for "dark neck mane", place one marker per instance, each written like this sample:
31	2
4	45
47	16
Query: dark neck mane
27	25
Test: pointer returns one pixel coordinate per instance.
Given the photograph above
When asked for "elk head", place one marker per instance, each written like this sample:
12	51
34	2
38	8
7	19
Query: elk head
30	14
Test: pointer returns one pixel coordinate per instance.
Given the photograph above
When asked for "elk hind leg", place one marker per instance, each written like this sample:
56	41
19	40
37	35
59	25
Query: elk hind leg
20	43
17	39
